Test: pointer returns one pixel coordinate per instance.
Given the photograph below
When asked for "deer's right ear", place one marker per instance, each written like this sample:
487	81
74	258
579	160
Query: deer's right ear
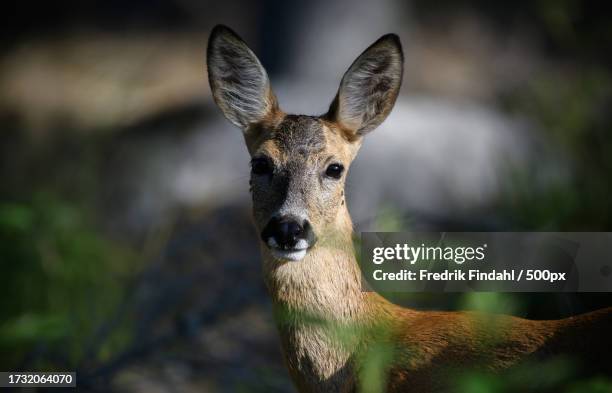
239	83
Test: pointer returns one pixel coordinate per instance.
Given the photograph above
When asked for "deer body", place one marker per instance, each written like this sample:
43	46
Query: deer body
326	322
425	343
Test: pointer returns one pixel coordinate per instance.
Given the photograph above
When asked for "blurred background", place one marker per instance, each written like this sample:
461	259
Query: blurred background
126	243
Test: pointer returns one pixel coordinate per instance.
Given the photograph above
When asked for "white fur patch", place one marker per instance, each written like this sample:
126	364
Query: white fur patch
291	255
301	245
296	254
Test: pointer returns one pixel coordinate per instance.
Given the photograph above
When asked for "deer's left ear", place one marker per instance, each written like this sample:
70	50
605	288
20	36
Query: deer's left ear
370	87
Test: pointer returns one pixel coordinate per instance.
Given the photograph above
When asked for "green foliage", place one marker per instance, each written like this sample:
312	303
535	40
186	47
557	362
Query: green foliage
595	385
389	219
490	302
60	280
570	108
478	383
555	375
375	364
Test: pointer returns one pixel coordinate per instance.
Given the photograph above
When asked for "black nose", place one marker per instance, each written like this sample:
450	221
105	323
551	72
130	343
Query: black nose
287	232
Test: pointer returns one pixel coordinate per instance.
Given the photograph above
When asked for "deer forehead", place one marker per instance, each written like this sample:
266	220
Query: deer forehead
304	138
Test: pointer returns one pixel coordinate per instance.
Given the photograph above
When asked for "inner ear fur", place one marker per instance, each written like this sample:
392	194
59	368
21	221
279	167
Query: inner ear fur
239	83
369	88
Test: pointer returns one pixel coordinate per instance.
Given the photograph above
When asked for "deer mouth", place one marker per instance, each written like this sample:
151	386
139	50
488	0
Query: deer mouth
295	253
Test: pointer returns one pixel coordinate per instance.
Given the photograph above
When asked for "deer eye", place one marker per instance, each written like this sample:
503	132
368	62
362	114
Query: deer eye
261	166
334	171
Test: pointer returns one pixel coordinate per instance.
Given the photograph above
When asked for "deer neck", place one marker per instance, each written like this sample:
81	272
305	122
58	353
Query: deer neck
311	298
326	283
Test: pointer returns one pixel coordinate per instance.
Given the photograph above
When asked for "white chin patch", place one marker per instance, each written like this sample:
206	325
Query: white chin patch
296	254
290	255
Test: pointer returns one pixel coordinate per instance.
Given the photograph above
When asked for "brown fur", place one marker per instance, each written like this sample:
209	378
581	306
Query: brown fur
326	322
427	345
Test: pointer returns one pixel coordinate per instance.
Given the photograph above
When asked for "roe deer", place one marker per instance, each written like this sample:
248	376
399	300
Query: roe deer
298	169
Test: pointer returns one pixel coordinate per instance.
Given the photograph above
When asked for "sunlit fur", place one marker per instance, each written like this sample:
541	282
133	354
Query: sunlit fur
326	321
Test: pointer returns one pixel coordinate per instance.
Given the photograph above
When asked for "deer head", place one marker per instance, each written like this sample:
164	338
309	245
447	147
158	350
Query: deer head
299	163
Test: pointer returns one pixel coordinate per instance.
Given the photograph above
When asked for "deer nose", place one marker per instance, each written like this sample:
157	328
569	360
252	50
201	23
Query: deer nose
287	233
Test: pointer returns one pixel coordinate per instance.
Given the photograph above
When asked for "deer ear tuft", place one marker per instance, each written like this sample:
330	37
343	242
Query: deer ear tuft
239	83
370	87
